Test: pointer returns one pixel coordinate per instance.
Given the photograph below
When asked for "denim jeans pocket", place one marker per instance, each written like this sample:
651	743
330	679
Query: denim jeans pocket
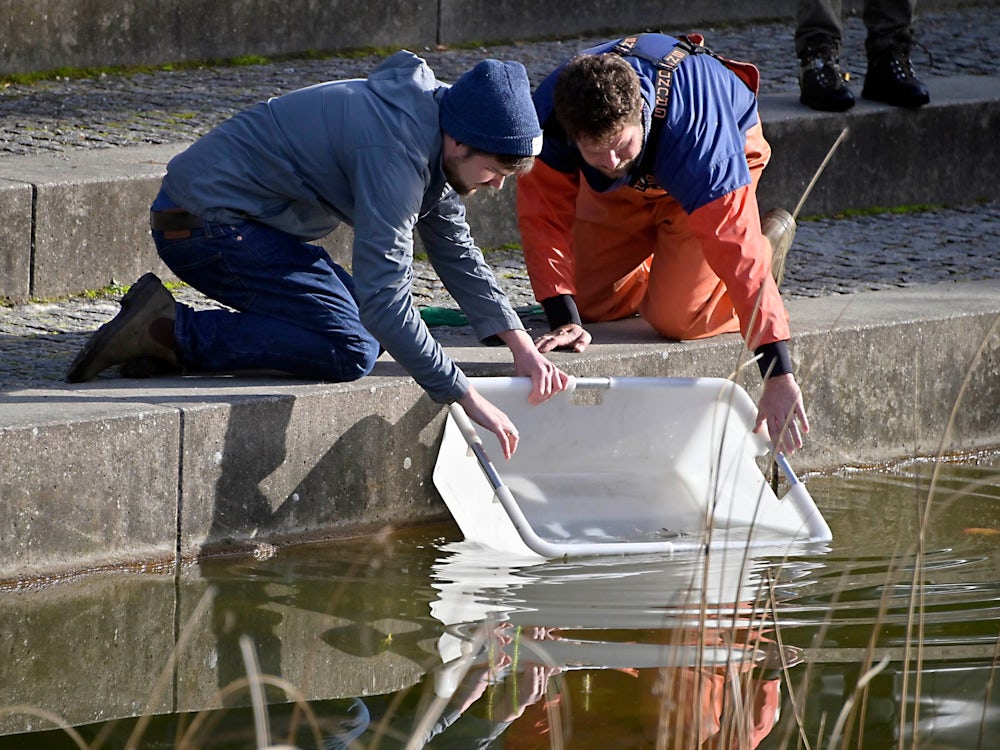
212	261
202	247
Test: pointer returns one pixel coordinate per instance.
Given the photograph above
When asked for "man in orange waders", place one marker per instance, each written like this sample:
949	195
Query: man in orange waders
643	200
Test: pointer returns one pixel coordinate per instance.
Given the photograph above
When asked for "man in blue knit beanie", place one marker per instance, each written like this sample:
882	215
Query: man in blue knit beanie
487	110
389	156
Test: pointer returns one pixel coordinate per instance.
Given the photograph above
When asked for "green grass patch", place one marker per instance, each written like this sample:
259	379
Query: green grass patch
351	53
111	291
70	73
853	213
504	248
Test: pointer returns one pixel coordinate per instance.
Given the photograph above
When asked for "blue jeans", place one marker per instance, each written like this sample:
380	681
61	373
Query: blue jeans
295	309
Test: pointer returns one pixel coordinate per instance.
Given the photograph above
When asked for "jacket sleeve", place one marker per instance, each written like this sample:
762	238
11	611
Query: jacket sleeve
546	210
463	270
739	253
388	189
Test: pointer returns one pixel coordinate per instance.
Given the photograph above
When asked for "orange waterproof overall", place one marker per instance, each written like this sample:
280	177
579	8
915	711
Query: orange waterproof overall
630	251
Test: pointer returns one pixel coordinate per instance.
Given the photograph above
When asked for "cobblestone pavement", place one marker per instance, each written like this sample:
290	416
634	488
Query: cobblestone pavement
830	256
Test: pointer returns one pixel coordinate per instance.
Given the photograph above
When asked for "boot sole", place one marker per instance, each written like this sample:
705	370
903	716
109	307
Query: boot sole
825	105
915	103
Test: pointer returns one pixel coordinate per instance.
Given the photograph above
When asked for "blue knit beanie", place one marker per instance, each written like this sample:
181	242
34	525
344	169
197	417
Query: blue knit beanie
490	109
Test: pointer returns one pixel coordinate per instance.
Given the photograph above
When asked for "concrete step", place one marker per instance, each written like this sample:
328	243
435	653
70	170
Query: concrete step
79	221
123	472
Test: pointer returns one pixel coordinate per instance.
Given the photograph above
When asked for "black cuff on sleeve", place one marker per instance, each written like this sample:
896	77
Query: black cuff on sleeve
774	359
561	310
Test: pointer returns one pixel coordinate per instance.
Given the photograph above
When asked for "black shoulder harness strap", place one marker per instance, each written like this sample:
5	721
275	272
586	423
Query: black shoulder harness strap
665	67
690	44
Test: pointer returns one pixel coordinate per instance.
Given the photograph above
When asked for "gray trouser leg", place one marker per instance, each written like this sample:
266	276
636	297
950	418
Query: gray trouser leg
817	24
889	24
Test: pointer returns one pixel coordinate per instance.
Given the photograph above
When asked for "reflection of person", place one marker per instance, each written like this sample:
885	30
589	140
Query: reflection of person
644	201
890	77
388	155
510	698
494	691
682	708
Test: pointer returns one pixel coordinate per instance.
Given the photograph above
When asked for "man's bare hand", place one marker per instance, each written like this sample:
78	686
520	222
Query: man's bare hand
782	412
570	336
546	379
484	413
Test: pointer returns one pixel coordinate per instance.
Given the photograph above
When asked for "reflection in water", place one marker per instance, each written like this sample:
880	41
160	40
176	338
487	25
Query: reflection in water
886	639
604	653
905	609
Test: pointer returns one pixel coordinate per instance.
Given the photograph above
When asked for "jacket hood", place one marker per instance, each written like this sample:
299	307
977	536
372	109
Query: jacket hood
406	83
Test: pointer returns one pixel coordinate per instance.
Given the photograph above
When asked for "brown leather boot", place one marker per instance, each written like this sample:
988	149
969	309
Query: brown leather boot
779	228
143	328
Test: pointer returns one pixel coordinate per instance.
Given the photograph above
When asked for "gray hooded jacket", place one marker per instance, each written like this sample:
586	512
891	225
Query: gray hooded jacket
366	153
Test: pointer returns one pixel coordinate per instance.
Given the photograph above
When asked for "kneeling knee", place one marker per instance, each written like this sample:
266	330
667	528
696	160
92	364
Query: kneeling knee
686	325
359	359
673	327
694	328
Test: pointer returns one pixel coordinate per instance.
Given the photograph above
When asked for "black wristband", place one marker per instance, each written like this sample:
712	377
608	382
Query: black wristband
774	359
561	310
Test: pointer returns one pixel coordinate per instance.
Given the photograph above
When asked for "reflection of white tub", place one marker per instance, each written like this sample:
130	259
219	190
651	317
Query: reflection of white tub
479	589
620	465
475	583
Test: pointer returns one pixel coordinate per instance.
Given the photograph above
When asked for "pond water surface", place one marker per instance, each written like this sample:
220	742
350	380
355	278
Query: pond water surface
886	637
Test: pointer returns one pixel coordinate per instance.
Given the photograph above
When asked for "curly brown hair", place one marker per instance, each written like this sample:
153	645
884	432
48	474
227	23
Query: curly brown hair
596	96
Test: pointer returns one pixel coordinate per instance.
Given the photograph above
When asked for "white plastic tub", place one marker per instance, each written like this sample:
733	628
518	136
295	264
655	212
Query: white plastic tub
620	465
